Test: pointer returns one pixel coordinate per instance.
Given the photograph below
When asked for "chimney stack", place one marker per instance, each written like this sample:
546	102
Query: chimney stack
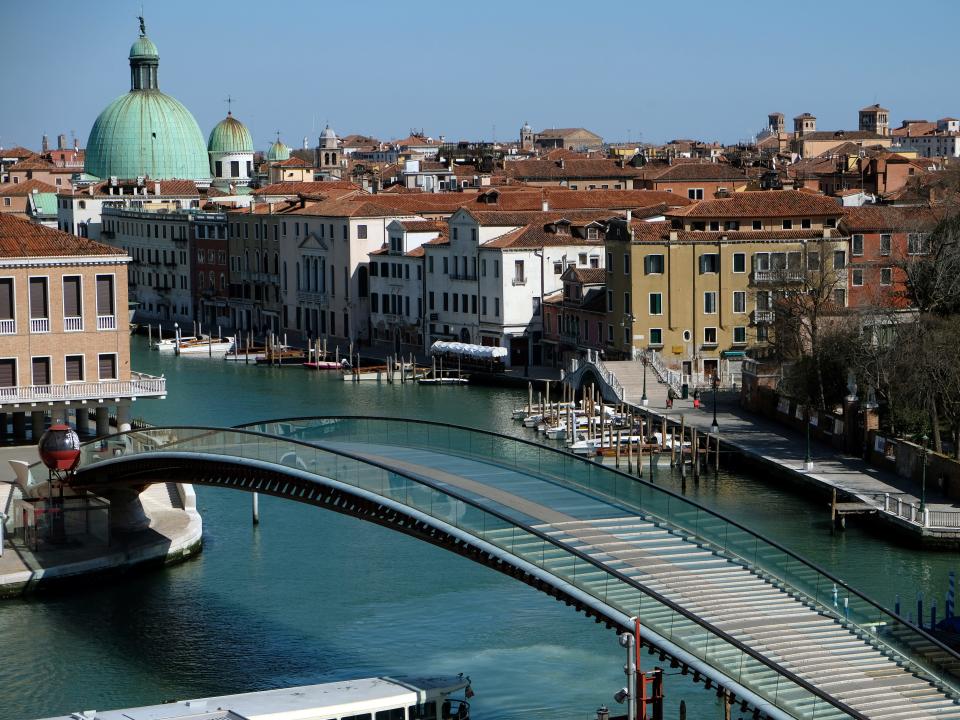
545	205
629	216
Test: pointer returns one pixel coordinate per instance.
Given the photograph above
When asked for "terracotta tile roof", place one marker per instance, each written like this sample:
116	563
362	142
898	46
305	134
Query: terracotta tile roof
589	276
536	235
563	132
25	187
892	218
875	106
34	162
22	238
763	204
22	152
570	169
840	135
168	188
687	171
418	251
292	189
418	226
914	128
293	162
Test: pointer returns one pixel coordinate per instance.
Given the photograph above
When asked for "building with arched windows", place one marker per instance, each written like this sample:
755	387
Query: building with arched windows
231	154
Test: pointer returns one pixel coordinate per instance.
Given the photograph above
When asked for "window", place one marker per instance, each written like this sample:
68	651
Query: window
709	263
446	265
8	373
496	269
695	193
72	303
483	305
235	168
610	334
609	262
392	714
710	302
39	311
536	306
805	223
731	225
496	307
840	297
557	269
626	335
830	222
609	300
839	259
518	276
787	225
709	336
626	263
74	368
6	202
886	276
653	265
446	302
430	263
857	277
656	303
856	245
739	301
431	300
8	325
361	232
714	225
656	336
740	335
41	370
813	260
917	244
627	305
758	224
762	333
885	244
739	262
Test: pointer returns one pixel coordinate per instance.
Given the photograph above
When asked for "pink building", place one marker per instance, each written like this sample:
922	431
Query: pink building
574	317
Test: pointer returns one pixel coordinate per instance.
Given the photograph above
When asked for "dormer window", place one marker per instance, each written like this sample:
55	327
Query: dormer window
699	225
591	233
714	225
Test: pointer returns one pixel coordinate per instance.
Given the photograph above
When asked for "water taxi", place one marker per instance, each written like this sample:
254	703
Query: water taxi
205	346
379	698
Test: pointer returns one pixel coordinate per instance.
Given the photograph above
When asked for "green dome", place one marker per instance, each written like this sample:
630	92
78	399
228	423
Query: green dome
144	48
278	151
146	133
230	136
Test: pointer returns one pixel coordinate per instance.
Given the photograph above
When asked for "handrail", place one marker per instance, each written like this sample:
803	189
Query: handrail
787	674
841	584
666	375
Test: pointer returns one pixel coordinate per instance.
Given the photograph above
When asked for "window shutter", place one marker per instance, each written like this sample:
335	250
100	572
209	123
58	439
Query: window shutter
8	373
71	296
41	371
6	299
105	295
108	367
38	298
74	368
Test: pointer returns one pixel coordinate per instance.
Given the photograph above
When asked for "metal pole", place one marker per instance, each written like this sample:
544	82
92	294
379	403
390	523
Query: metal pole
256	508
643	398
807	460
923	478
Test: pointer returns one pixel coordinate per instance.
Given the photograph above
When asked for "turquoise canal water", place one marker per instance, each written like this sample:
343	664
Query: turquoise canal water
312	596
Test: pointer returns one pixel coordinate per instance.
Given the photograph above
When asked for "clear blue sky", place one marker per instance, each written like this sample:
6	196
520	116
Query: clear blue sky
658	70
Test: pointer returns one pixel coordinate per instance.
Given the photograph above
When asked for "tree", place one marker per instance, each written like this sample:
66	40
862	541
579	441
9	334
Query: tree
932	268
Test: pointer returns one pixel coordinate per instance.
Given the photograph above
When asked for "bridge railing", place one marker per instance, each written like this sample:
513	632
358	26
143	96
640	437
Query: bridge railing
780	566
762	676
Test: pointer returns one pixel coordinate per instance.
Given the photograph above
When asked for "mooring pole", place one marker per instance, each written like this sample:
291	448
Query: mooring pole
256	508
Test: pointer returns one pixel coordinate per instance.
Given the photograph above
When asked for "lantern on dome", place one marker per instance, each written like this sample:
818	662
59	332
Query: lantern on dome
59	449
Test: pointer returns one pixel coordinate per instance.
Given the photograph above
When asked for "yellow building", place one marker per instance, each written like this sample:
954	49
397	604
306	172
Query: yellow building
700	287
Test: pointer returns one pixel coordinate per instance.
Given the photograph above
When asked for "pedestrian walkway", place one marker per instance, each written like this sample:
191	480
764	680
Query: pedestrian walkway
890	496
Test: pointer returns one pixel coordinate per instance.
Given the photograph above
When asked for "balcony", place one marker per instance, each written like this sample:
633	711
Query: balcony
8	327
72	324
106	322
139	385
519	281
763	316
778	276
312	297
39	325
468	276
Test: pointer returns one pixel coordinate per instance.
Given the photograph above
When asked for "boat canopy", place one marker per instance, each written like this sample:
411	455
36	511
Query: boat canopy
482	352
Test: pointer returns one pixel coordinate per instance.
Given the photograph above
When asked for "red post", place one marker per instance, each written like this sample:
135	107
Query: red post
641	681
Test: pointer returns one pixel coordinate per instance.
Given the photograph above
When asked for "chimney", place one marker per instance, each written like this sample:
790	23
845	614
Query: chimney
673	236
545	205
156	188
270	207
253	207
629	216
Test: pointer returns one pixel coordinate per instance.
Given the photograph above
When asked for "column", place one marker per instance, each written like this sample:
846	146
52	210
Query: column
123	417
103	421
83	421
38	419
4	418
20	425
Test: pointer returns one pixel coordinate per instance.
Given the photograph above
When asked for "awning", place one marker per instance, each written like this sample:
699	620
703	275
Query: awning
733	353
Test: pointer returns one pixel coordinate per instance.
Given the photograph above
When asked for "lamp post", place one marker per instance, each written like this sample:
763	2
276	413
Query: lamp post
923	476
715	427
807	460
643	398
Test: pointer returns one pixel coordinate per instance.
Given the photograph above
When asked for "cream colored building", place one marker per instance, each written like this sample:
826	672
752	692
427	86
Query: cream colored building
700	287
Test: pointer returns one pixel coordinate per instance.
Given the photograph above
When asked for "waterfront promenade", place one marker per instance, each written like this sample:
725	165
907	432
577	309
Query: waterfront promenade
175	533
780	448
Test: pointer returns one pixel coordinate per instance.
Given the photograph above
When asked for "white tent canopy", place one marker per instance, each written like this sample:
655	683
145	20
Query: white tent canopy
480	352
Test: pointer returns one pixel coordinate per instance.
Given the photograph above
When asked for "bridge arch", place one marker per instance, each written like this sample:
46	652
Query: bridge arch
325	462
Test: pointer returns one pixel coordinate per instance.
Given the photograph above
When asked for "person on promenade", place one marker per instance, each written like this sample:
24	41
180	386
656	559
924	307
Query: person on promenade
696	398
670	396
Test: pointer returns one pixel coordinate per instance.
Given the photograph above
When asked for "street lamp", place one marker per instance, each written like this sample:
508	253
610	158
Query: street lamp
923	476
807	461
643	398
715	427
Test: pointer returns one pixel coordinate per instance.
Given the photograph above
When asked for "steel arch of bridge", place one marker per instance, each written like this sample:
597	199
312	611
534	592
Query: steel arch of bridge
248	459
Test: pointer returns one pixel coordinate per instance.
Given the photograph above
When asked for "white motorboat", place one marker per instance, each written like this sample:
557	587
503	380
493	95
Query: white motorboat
205	346
170	344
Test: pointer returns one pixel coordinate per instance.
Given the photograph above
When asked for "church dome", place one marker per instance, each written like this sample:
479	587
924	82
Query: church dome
230	136
277	152
146	133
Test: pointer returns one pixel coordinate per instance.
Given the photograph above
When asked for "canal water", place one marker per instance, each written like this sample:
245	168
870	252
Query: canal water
312	596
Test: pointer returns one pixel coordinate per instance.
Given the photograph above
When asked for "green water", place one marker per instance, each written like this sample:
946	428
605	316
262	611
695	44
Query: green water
312	596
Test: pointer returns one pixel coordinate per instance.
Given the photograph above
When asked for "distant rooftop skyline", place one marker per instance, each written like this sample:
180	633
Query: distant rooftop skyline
627	71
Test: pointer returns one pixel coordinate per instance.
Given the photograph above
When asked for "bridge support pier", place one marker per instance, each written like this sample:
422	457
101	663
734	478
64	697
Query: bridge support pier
82	420
38	419
103	421
20	425
123	417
